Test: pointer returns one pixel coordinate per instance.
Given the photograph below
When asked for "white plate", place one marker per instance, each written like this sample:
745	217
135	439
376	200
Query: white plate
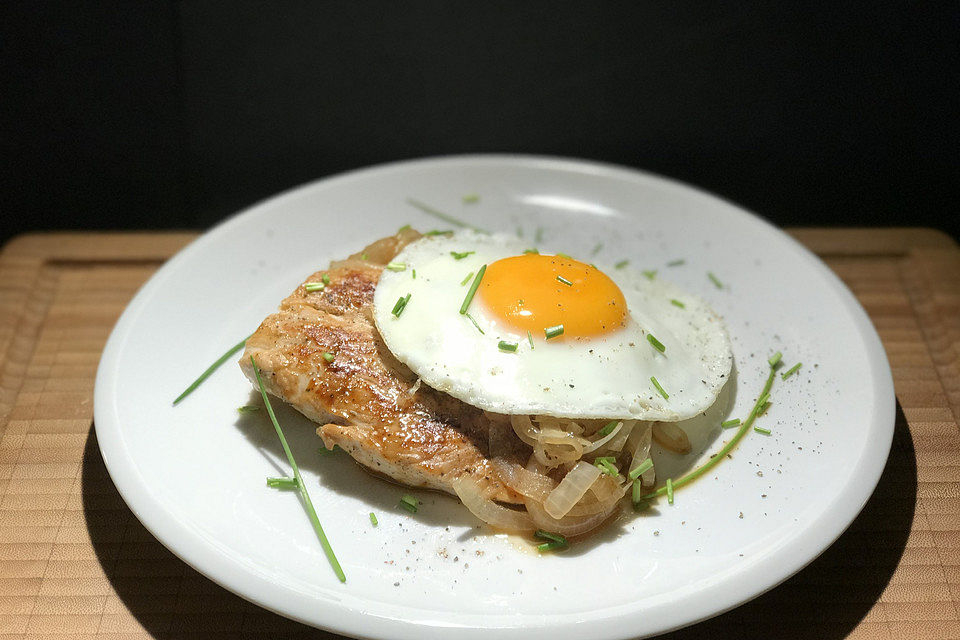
194	474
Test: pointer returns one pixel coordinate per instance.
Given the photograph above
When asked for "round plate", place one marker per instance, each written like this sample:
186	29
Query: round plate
194	474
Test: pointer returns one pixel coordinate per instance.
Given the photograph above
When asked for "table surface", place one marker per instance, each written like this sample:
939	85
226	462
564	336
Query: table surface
75	562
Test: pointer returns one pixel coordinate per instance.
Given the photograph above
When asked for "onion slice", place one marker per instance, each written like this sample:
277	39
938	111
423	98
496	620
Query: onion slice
489	511
576	483
593	446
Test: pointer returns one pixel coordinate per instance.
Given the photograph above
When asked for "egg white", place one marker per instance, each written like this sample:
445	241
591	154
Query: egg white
608	376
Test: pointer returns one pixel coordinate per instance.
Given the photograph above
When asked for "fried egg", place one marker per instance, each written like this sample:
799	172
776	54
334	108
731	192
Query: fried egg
548	334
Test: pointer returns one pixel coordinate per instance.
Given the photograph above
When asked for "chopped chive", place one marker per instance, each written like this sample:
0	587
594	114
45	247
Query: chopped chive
553	332
473	290
596	249
410	503
716	281
774	360
763	408
471	198
248	408
641	469
530	339
364	256
637	488
726	424
676	263
440	214
467	279
563	280
720	455
670	490
310	287
328	356
397	266
538	236
551	546
765	432
373	519
282	483
608	428
792	370
460	255
677	303
325	278
665	395
762	399
606	465
656	343
473	320
650	273
304	495
413	274
401	305
610	459
534	251
403	228
621	264
507	346
439	232
209	370
550	537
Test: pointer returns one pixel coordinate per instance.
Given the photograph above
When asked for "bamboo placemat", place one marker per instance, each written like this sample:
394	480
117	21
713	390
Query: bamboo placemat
75	562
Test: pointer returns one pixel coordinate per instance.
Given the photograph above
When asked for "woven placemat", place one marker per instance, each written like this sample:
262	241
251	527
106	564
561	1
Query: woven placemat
75	562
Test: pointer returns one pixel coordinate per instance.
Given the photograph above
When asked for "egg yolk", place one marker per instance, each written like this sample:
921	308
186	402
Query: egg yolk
531	292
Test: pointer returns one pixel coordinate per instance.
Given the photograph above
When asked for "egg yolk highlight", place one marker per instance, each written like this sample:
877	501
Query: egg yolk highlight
528	293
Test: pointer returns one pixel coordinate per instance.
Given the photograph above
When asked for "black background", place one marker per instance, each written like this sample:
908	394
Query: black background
124	115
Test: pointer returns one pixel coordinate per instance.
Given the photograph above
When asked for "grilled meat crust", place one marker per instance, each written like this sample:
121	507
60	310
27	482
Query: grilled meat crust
367	402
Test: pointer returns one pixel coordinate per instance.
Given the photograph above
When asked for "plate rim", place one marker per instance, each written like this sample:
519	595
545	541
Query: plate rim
738	589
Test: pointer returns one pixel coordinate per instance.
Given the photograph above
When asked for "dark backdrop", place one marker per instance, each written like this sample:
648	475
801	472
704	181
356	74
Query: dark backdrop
174	114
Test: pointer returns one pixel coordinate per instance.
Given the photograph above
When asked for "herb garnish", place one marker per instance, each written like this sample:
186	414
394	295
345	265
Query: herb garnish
656	343
553	332
473	290
656	383
211	369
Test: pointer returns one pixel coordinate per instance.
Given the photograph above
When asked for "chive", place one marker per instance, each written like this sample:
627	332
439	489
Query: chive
413	274
471	198
608	428
551	546
439	232
363	256
473	290
716	281
656	343
328	356
550	537
530	339
304	495
774	360
507	346
606	466
763	408
726	424
596	249
792	370
282	483
473	320
409	503
534	251
325	278
641	469
248	408
650	274
621	264
427	209
467	279
553	332
206	374
637	488
762	400
460	255
670	490
609	459
765	432
563	280
665	395
401	305
676	263
373	519
727	448
397	266
403	228
677	303
310	287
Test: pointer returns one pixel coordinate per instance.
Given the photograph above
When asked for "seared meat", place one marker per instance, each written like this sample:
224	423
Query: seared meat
367	402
